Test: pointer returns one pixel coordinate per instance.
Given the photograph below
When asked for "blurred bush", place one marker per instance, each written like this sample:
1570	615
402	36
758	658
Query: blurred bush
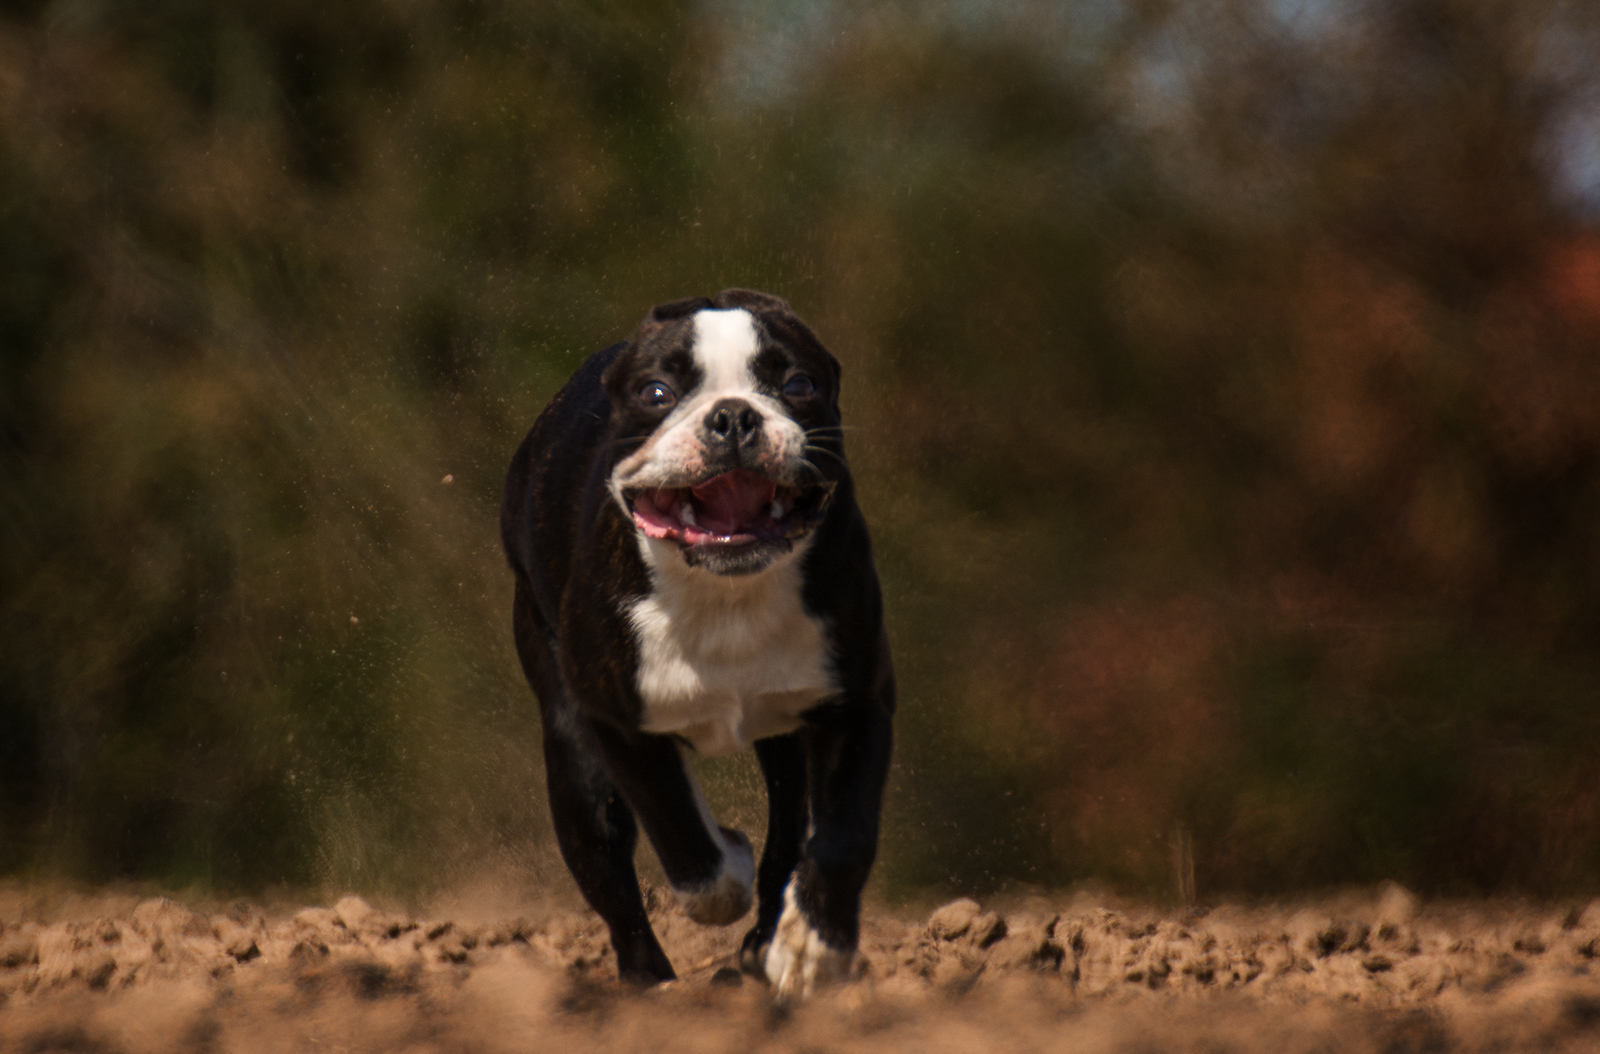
1221	377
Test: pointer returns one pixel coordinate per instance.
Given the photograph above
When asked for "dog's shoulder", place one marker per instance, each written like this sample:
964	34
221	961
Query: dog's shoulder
553	468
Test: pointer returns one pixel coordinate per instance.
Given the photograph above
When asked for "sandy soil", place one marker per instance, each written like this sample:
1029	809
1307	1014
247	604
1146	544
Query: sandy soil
1379	973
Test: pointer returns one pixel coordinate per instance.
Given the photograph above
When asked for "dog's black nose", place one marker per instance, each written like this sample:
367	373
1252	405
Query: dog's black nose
735	421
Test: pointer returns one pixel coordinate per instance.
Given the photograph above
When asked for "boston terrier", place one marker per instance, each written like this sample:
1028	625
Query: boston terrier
693	574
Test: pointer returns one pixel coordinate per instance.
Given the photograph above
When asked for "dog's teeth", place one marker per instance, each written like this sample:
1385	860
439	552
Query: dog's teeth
777	509
686	514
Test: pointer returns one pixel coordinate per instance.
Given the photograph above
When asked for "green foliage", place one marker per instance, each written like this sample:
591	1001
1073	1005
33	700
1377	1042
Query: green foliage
1221	391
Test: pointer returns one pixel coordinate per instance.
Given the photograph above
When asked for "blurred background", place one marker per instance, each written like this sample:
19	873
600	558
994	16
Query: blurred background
1223	382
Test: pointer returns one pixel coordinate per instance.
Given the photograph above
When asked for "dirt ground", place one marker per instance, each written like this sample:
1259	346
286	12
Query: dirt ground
1374	973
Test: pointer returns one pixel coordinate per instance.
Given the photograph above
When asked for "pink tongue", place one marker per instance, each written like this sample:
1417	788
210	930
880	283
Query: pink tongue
733	502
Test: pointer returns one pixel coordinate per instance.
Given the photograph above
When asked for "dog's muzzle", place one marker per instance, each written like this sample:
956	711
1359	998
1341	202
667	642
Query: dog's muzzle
737	508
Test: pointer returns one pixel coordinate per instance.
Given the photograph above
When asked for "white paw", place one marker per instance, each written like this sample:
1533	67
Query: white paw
798	961
727	897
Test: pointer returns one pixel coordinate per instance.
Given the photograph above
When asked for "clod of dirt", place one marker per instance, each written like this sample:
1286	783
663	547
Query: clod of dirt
953	920
1027	943
321	921
367	923
1396	907
986	930
163	919
353	912
1319	936
98	970
452	951
1343	935
1531	943
236	940
20	947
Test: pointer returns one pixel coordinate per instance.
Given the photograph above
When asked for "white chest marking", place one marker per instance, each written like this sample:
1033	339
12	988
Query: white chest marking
724	661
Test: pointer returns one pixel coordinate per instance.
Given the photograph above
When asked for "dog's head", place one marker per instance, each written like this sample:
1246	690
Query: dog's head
726	413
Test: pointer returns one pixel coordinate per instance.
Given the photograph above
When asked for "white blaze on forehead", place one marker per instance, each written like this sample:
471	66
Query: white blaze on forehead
725	345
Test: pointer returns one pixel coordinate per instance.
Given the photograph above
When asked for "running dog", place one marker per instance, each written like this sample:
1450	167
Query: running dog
693	574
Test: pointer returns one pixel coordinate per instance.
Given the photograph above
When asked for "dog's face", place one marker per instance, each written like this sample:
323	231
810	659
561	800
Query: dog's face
727	418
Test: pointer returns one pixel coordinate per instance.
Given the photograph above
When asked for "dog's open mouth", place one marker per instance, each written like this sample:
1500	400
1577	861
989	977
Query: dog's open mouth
735	508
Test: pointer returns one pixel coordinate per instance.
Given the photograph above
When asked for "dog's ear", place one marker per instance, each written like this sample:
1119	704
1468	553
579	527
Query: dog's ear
613	375
678	308
797	331
751	300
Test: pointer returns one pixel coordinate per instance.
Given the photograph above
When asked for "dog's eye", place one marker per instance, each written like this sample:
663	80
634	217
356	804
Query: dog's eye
657	396
798	387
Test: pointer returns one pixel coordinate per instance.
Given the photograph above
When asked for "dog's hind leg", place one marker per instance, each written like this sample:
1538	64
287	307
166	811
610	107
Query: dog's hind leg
594	827
783	763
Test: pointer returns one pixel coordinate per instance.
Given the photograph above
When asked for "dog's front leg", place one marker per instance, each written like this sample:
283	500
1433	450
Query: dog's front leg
848	761
783	764
711	868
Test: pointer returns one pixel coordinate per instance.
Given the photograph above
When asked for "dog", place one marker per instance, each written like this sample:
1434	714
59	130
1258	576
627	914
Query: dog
693	574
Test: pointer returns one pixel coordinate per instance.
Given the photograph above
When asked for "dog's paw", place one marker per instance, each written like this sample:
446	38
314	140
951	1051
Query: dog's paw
753	954
799	961
725	899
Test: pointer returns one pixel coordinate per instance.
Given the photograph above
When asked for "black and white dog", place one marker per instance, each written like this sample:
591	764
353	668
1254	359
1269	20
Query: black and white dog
692	572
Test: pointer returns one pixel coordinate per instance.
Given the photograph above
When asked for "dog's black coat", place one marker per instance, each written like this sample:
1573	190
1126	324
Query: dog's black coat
577	562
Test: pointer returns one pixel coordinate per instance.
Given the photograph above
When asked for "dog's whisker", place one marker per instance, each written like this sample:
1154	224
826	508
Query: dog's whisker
824	450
